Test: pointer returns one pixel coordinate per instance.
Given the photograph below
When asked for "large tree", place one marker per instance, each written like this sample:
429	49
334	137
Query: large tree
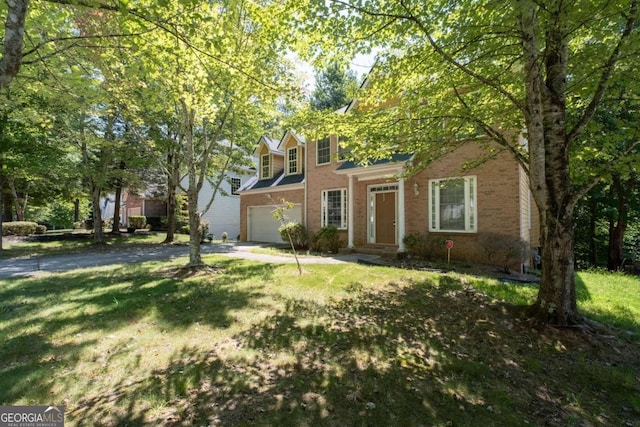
498	70
334	87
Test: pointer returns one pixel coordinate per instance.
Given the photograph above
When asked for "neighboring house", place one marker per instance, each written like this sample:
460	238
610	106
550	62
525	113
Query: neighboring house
148	203
224	214
375	209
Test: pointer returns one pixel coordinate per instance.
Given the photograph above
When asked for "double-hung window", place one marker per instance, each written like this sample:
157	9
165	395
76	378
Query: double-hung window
265	166
452	205
323	151
235	185
334	208
292	161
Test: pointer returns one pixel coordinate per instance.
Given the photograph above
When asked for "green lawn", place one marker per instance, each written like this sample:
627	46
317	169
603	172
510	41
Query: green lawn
79	242
256	344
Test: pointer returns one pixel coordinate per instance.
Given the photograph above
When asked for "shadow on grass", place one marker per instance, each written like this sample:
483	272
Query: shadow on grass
43	320
425	354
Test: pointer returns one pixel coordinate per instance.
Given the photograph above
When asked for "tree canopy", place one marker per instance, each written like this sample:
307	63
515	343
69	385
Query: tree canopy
529	76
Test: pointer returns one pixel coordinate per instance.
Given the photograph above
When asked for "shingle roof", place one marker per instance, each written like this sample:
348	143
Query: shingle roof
398	157
277	181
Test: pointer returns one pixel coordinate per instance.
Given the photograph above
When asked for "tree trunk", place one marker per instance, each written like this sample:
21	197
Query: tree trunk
618	227
173	171
13	41
549	162
556	301
7	207
593	238
76	210
20	203
195	256
115	227
98	232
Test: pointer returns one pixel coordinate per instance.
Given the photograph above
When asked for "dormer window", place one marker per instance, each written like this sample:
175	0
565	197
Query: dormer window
292	161
265	166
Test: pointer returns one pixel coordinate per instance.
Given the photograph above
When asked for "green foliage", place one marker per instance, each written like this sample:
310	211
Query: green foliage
503	251
334	87
327	239
137	221
204	230
296	232
57	213
157	223
422	246
19	228
41	229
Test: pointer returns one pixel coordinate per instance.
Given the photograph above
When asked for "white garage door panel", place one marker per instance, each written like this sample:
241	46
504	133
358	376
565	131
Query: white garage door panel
263	227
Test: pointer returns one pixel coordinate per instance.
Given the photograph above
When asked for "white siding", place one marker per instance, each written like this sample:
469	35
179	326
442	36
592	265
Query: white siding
224	213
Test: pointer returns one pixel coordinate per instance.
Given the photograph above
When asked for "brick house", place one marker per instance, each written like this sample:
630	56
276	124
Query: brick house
375	208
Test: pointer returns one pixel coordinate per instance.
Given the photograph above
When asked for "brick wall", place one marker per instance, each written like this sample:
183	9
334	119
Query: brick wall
262	199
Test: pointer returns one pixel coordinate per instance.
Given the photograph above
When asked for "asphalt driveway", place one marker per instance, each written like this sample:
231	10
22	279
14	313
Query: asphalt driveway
26	266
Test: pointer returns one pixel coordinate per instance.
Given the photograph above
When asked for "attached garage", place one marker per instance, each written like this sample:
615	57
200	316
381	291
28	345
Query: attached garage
263	227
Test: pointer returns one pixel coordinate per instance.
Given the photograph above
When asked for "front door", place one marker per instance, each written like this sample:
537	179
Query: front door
385	218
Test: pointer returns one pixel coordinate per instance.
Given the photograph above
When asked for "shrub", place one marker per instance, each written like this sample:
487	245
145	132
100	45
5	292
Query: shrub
422	246
327	240
19	228
182	227
41	229
504	251
297	232
204	230
137	221
157	223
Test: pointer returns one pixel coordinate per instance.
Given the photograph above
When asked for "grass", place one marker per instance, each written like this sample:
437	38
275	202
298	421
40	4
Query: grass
78	242
347	344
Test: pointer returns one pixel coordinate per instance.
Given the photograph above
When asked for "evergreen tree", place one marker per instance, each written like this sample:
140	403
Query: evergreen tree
333	86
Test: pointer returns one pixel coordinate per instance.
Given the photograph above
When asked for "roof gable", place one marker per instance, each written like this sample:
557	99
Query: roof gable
270	144
288	136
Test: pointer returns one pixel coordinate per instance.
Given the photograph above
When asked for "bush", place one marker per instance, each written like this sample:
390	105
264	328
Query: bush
41	229
137	221
504	251
422	246
157	223
19	228
297	232
327	240
204	230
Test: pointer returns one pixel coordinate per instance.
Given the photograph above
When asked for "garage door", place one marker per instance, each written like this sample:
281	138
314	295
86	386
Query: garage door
263	227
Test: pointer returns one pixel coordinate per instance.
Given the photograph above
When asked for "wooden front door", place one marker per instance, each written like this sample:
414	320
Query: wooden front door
386	218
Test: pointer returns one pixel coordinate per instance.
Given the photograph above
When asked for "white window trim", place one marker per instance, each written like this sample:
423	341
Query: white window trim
318	148
470	204
262	157
289	161
343	208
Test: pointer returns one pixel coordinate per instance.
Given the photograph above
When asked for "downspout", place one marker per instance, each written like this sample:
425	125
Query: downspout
350	213
305	195
401	226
